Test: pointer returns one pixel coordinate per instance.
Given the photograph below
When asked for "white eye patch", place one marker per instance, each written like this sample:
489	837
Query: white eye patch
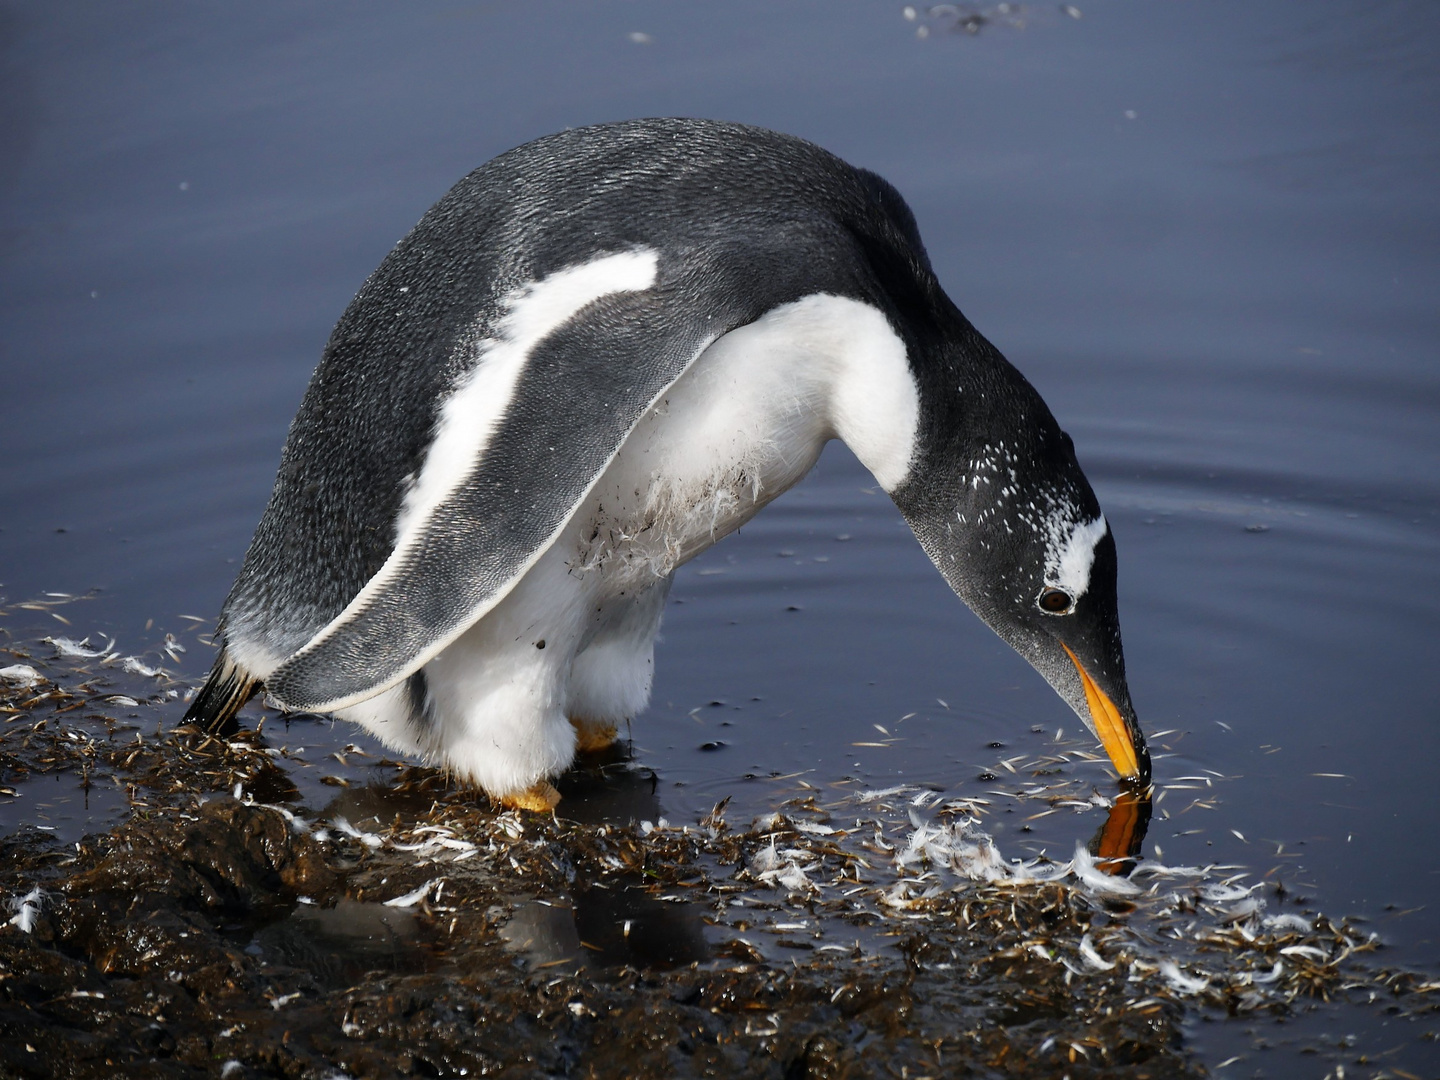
1070	555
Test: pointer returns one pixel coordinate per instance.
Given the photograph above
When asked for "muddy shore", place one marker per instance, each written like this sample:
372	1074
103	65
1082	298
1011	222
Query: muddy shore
242	911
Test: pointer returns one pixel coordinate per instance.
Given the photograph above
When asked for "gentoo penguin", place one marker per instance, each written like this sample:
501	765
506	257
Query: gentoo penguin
593	358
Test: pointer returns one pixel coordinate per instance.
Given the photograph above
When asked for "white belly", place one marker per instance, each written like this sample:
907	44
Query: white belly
744	424
732	434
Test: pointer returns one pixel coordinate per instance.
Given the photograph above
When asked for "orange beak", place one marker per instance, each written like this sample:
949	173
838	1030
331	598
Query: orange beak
1114	734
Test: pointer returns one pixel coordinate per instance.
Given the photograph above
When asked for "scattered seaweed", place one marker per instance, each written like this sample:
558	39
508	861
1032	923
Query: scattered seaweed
259	908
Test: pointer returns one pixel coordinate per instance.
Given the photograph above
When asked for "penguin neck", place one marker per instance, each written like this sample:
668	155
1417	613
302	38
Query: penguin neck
915	410
873	399
980	423
815	369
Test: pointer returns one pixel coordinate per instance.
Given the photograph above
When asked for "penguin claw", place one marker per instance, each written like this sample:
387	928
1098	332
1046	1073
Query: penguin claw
540	798
594	736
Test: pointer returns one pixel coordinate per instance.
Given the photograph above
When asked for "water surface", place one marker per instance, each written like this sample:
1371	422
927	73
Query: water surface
1207	233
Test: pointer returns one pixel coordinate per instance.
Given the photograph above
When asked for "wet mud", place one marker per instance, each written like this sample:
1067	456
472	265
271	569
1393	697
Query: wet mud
255	910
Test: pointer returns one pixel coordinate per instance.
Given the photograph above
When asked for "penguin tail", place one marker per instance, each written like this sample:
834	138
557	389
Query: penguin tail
227	689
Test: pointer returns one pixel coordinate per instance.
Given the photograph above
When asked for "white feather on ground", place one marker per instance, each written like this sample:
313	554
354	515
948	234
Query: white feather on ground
1092	957
369	839
1179	981
781	868
410	899
135	666
26	909
20	676
969	852
68	647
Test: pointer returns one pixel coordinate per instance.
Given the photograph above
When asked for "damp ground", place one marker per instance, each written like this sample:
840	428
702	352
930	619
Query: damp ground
288	901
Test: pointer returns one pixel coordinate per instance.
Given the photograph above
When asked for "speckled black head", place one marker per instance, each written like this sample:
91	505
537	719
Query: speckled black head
999	502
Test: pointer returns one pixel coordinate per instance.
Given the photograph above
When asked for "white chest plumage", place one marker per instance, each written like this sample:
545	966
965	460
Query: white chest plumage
742	425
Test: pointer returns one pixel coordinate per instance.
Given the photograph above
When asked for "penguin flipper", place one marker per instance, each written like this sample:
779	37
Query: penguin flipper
582	389
225	692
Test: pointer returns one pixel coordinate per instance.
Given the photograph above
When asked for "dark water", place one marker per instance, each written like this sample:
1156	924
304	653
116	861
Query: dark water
1207	233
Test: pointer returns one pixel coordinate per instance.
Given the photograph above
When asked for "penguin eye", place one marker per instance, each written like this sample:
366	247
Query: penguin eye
1055	601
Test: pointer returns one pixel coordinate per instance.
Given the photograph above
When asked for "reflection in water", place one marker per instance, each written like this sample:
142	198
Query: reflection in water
339	945
609	790
1116	845
606	788
544	933
630	925
376	804
608	926
616	922
54	804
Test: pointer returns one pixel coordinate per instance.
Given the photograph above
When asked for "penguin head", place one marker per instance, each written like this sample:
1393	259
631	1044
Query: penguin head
1014	526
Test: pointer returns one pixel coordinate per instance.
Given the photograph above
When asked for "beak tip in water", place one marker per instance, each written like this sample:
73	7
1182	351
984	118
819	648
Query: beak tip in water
1122	740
